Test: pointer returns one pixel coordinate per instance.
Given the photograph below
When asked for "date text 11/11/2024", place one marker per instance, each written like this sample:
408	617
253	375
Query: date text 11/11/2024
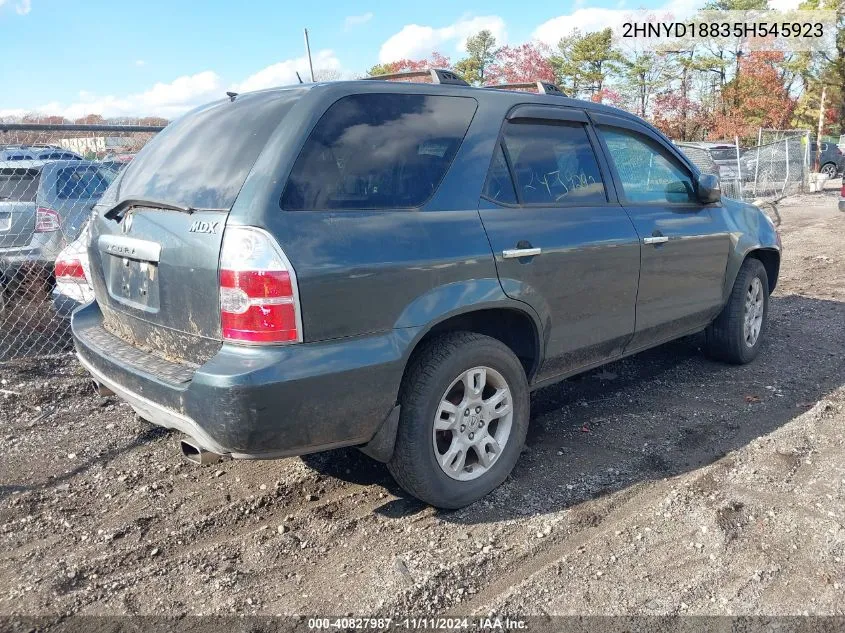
418	624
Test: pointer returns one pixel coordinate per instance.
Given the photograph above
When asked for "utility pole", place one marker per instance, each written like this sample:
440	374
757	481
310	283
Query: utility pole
308	52
818	158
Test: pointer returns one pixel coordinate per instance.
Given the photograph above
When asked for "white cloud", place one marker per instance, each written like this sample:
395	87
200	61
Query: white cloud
596	19
23	7
12	113
284	73
170	99
415	41
357	20
140	62
163	99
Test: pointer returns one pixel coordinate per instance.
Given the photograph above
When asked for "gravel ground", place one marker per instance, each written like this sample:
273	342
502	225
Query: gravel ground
661	484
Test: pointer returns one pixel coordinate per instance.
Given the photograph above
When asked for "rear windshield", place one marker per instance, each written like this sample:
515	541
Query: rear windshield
202	159
19	185
723	154
378	151
82	182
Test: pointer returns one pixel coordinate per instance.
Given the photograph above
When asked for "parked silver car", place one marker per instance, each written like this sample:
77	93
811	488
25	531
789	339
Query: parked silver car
73	276
43	207
36	152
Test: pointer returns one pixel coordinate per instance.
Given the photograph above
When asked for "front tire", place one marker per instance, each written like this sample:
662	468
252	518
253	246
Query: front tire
737	333
829	169
464	416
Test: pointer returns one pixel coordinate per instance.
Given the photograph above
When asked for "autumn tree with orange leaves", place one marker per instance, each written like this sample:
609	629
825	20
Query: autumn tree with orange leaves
519	64
755	98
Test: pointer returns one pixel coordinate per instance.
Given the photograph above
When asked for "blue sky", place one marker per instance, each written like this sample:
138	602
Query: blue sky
161	57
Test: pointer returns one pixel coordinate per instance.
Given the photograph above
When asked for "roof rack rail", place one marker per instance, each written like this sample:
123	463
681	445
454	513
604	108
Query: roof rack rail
438	76
542	87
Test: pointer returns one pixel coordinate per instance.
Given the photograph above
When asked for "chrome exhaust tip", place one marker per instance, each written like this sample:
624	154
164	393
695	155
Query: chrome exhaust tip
102	390
198	455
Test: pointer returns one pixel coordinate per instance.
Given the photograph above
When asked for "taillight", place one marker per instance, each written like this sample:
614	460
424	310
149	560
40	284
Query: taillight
70	270
46	220
258	295
842	191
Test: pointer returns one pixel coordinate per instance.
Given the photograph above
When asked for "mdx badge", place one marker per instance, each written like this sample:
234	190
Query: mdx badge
203	227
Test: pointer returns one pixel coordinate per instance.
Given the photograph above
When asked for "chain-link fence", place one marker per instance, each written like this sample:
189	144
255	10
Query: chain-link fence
51	176
778	166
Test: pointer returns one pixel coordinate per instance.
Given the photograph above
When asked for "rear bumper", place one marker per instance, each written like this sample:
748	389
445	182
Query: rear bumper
68	296
42	250
255	403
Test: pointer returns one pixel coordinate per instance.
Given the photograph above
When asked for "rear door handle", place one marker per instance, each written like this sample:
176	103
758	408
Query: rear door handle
513	253
655	239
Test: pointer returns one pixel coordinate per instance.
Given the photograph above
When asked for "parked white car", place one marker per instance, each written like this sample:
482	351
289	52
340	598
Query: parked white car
73	277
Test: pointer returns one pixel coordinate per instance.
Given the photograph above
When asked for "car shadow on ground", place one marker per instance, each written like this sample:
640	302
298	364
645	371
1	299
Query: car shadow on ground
658	414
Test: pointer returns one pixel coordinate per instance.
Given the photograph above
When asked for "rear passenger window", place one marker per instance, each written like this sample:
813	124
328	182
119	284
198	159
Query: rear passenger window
499	185
648	172
378	151
554	164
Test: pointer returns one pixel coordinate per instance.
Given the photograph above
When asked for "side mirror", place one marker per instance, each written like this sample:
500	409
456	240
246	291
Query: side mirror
709	188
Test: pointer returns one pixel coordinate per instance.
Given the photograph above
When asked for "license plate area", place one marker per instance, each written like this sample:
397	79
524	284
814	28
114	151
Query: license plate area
133	282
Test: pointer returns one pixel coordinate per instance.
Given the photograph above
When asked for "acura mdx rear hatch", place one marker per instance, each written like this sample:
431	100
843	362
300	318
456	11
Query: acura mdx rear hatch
156	234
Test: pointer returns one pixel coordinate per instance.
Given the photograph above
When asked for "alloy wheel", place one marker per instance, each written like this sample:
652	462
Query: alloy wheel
473	423
754	306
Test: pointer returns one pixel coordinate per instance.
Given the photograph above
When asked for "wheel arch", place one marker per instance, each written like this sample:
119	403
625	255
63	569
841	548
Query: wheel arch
770	258
514	324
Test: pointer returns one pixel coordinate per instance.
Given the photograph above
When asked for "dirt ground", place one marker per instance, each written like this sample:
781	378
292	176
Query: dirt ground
662	484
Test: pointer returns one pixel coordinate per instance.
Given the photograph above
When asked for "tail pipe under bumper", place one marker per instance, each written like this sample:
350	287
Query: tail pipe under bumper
197	454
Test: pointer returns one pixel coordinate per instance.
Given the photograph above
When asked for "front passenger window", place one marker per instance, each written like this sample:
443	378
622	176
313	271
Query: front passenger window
648	172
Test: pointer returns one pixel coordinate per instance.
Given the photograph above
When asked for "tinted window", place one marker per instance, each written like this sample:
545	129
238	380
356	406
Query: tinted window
19	184
554	164
80	183
202	159
723	154
20	157
378	151
647	171
57	156
499	185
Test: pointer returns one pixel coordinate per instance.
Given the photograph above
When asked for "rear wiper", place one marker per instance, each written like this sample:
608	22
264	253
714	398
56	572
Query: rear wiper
117	212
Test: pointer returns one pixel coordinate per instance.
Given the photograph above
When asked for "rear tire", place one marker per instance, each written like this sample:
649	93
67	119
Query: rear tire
737	333
468	454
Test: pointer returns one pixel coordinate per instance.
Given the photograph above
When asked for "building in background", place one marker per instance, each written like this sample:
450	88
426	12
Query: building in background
98	146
